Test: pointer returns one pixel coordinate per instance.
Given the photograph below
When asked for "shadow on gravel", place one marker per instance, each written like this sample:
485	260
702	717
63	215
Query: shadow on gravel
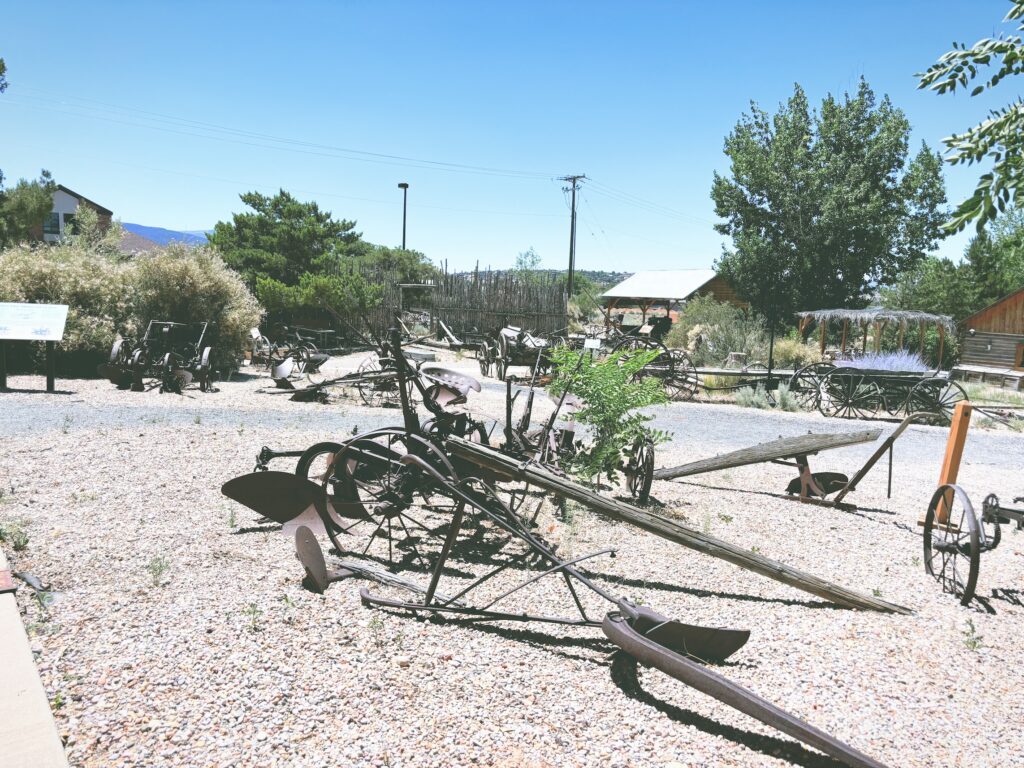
16	391
697	592
625	677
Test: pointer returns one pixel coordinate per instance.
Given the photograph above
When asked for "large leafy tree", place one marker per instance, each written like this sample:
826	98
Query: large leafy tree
823	206
281	238
998	139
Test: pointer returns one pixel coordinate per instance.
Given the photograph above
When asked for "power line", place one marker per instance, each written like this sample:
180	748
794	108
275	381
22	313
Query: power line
183	126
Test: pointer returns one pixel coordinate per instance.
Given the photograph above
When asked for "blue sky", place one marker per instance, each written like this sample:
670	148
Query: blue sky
166	112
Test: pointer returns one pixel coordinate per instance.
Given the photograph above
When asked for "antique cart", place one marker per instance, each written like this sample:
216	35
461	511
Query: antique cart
174	354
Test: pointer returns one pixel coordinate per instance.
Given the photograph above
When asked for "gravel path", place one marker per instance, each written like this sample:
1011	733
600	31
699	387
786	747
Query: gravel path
180	635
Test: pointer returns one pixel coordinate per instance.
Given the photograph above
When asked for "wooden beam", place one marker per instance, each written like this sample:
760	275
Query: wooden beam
783	448
878	336
903	327
842	346
954	452
821	344
490	459
864	331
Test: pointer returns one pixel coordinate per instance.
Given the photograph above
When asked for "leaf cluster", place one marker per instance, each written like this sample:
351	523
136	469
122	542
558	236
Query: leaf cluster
1000	137
612	394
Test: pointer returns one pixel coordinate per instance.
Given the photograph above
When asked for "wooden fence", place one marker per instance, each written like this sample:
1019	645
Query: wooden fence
484	301
468	303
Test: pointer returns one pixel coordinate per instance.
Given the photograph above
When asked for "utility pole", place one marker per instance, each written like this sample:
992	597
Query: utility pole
405	200
574	185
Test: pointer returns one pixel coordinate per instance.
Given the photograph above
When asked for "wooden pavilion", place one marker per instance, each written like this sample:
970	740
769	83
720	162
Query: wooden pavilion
879	319
666	288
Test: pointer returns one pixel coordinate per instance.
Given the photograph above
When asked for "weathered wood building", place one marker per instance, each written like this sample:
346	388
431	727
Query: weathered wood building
994	337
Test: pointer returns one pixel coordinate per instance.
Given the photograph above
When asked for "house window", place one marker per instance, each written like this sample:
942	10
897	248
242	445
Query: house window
69	224
51	226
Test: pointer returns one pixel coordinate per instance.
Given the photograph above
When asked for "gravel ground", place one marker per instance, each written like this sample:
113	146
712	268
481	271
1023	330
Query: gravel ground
180	634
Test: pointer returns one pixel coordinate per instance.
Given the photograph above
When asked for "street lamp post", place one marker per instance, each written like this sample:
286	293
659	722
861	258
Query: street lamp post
405	199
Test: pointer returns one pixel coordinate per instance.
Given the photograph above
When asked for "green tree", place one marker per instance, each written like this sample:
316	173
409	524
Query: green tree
822	207
25	207
281	238
995	259
1000	138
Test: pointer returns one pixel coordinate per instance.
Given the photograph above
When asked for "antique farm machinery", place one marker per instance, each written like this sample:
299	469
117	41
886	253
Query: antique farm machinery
514	346
174	354
956	536
435	499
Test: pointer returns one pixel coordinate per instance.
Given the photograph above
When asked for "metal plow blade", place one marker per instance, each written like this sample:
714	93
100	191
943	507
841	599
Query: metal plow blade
279	496
704	643
653	654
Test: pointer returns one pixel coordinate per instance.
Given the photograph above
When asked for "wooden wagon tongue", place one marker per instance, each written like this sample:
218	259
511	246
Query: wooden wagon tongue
649	649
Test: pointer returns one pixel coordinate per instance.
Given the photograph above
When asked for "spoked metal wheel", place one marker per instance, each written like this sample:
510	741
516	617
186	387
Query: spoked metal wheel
682	383
377	392
936	396
139	368
848	394
386	506
639	469
804	384
952	542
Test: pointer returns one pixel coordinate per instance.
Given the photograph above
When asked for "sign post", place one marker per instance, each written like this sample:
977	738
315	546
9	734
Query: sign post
32	322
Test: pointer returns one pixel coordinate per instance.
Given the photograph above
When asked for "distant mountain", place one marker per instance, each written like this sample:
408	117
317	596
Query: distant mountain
163	236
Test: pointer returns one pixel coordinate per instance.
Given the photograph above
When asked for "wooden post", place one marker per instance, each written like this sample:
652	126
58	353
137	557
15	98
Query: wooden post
51	367
878	336
903	327
920	339
864	330
954	452
842	346
3	366
942	342
821	344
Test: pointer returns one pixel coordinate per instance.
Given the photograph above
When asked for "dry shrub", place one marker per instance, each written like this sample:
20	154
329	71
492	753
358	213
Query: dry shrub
107	296
95	287
793	353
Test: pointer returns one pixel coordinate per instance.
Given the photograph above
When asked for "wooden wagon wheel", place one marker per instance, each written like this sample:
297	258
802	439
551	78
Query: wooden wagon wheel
501	361
847	393
805	382
952	550
483	356
937	396
663	364
683	382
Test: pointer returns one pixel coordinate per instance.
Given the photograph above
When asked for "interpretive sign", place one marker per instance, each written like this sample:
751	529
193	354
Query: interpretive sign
32	322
